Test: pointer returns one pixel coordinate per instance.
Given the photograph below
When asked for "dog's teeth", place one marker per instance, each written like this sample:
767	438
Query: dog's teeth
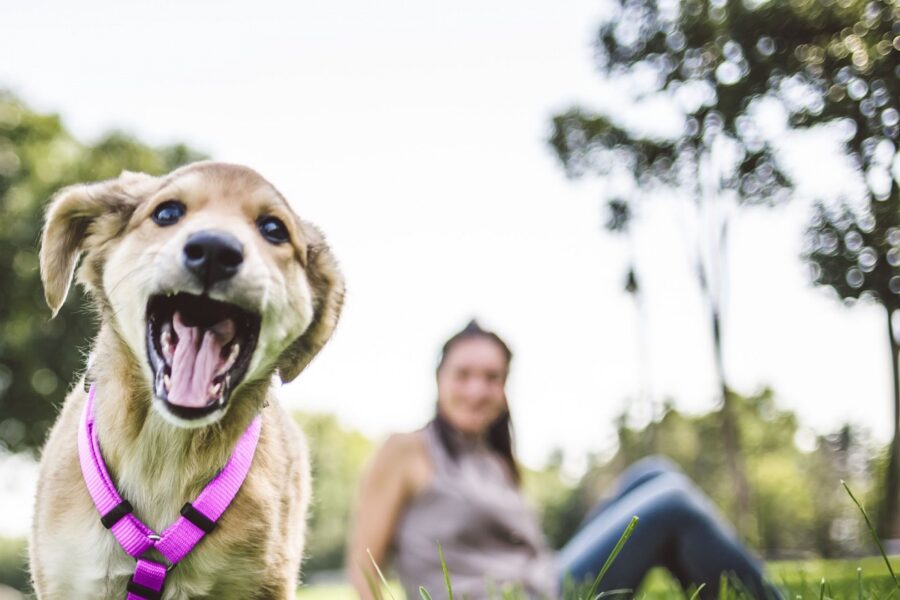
167	381
214	389
232	356
168	343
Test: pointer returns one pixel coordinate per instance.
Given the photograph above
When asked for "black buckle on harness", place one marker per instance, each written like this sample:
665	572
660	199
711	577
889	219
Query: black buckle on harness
116	513
197	518
143	591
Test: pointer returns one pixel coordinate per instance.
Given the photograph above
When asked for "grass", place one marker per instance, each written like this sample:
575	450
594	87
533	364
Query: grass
801	579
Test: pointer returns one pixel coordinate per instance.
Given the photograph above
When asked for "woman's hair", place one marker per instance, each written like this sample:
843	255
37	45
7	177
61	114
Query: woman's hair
499	434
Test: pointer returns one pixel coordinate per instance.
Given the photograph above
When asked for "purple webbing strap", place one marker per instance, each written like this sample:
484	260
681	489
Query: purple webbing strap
147	574
181	537
131	534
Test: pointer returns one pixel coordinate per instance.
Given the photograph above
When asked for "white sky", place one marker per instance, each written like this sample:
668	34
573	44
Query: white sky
413	134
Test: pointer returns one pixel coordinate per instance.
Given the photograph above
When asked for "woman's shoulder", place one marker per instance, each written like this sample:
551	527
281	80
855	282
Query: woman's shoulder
404	448
406	455
405	441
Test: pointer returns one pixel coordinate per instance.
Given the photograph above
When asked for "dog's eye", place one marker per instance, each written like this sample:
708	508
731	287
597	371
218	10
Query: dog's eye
273	229
168	213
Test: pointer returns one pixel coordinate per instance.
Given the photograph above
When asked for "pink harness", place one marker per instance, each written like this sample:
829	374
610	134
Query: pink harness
197	518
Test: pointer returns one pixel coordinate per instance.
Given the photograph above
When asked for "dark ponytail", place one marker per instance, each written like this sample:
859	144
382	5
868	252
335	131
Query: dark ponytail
500	432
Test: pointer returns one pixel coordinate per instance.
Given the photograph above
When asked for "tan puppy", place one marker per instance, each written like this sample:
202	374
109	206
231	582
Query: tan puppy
206	285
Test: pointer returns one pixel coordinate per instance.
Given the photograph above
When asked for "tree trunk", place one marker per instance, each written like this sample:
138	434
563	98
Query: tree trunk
890	522
734	458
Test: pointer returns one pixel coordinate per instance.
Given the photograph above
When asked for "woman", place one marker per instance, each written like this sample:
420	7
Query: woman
455	482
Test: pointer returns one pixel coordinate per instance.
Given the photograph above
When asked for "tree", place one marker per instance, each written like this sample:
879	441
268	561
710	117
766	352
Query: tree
715	156
825	62
40	356
852	76
836	63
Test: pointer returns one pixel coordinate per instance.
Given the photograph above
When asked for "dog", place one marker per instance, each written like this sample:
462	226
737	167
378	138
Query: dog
206	285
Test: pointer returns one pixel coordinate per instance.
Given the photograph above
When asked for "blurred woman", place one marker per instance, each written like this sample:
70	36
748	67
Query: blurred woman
455	482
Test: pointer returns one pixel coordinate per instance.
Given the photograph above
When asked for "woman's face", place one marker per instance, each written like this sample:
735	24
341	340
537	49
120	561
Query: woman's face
470	384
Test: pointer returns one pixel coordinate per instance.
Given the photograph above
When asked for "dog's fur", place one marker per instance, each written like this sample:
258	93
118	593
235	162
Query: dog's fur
157	461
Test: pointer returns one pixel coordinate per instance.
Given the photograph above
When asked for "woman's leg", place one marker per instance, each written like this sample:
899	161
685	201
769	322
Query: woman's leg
638	473
679	529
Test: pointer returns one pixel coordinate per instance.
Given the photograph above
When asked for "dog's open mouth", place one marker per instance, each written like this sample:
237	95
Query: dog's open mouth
199	350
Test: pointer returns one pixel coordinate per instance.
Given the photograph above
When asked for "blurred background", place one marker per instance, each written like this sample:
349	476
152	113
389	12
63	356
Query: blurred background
684	216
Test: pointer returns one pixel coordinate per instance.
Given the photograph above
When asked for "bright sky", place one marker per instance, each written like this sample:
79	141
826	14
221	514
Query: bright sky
413	134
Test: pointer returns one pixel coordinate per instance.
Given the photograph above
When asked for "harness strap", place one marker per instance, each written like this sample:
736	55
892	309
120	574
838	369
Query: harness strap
147	582
131	534
197	518
119	510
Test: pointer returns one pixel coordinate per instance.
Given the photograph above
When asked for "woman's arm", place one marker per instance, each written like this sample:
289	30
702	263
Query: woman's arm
388	483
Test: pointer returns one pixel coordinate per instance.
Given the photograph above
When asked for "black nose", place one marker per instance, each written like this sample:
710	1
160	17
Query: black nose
213	256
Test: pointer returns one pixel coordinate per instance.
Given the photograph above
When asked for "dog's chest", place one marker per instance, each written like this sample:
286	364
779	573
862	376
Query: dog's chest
83	559
93	565
90	560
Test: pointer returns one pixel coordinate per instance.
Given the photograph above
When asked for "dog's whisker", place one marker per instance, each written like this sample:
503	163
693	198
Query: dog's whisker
152	254
147	280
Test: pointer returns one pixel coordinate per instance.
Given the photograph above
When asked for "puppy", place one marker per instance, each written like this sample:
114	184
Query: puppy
206	285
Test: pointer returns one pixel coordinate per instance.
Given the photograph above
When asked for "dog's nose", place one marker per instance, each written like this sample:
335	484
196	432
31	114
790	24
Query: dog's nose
213	256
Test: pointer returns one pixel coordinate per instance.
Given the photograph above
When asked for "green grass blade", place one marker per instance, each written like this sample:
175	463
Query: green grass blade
612	556
872	531
446	572
424	593
859	593
373	586
696	593
380	575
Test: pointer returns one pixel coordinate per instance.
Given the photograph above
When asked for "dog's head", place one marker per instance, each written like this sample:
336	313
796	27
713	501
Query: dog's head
206	274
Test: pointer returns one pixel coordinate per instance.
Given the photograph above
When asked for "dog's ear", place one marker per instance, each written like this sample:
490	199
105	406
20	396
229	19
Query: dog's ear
327	286
70	220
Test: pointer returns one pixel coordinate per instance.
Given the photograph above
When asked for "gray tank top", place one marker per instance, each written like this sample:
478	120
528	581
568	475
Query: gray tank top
489	535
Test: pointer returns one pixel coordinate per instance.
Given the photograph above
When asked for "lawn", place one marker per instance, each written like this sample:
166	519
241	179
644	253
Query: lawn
799	579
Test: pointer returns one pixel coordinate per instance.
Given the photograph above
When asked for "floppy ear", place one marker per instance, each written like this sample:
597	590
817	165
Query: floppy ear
68	223
327	286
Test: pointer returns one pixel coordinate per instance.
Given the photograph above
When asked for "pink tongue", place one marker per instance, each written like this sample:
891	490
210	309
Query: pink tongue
196	361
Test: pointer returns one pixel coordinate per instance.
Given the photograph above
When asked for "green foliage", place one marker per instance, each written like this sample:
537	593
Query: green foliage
560	505
39	357
338	457
13	561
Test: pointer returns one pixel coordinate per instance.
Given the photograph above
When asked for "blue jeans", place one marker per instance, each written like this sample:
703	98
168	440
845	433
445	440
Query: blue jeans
679	529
